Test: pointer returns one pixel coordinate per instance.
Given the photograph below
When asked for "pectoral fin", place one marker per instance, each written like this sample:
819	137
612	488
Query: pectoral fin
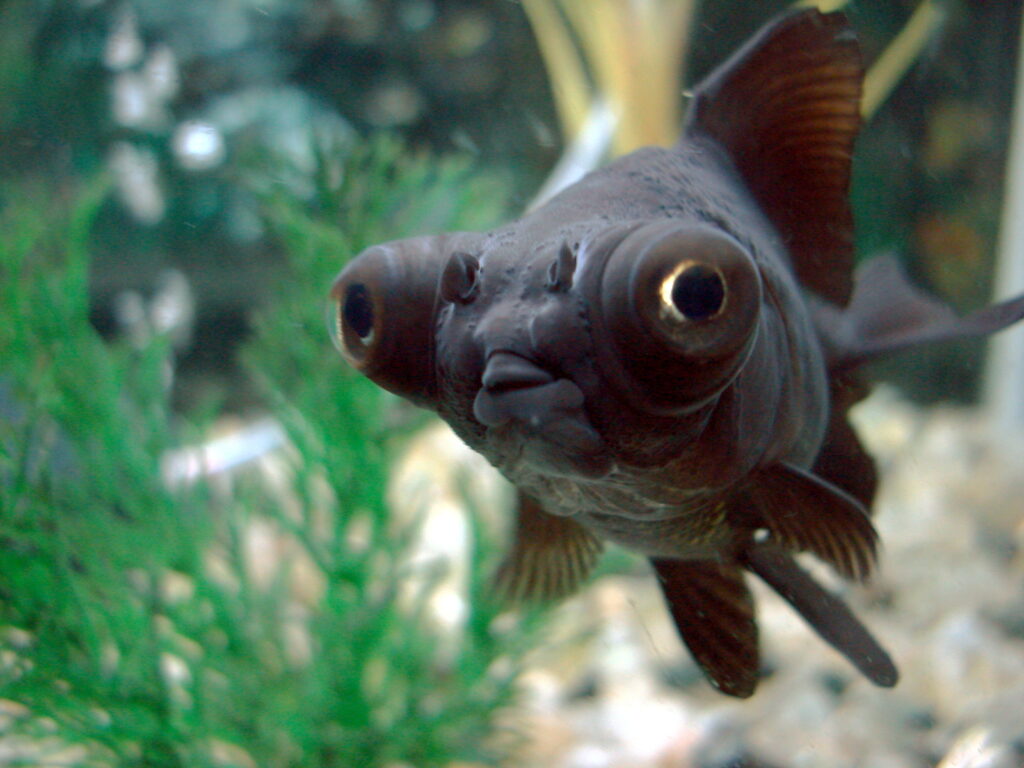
805	513
550	556
714	614
827	614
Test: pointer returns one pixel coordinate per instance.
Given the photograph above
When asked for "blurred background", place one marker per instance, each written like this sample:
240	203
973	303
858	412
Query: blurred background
195	107
219	547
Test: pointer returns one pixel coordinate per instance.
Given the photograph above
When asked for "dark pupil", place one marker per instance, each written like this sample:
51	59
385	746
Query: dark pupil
698	292
358	310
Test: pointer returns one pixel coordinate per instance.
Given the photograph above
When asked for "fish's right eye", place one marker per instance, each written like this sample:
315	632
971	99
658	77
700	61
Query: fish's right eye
384	312
355	321
356	313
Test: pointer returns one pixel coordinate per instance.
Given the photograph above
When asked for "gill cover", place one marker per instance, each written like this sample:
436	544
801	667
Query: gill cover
678	305
386	301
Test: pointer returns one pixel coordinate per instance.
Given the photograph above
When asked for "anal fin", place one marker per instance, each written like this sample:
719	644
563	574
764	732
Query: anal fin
826	613
714	614
805	513
549	558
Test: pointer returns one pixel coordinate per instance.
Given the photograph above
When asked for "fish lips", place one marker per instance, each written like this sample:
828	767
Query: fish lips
544	413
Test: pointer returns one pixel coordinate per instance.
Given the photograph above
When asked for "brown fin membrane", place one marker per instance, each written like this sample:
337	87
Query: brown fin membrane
786	107
842	459
714	613
888	313
549	559
827	614
806	513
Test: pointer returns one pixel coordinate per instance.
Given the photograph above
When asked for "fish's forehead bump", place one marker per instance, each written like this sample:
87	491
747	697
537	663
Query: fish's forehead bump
694	183
517	260
501	258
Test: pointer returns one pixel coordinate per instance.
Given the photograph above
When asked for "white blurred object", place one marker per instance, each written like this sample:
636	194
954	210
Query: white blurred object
173	307
1004	396
584	154
140	95
187	465
160	72
135	177
974	750
292	131
124	46
130	312
198	145
171	311
134	105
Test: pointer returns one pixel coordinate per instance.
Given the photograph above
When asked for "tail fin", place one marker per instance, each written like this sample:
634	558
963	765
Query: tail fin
887	313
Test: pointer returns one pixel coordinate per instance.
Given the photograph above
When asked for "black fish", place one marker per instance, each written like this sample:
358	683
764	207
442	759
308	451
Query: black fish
662	355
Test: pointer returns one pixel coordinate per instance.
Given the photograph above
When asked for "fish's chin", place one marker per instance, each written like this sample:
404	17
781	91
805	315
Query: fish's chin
544	427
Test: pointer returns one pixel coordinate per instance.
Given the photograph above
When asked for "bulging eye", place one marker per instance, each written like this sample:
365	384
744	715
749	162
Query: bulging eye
679	304
385	302
357	312
358	290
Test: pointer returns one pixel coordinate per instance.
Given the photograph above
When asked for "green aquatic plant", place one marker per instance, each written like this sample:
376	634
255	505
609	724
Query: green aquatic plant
140	621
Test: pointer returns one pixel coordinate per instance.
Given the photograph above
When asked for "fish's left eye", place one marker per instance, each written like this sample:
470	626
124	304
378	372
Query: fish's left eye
679	304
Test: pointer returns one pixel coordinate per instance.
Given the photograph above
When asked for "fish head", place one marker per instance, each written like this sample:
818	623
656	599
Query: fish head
654	312
514	355
591	348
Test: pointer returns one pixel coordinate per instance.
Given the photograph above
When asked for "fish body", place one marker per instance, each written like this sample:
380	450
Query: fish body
663	354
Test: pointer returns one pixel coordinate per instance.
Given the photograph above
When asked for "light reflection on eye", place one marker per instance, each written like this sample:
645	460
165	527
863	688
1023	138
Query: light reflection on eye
332	318
693	292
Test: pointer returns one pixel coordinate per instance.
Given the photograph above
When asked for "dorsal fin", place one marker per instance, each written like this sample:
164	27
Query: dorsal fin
786	107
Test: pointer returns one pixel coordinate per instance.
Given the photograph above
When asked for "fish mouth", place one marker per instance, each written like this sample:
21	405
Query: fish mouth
545	413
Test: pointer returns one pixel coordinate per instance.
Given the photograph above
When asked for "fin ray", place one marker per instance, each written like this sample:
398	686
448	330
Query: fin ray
786	108
888	313
714	614
807	513
842	459
549	558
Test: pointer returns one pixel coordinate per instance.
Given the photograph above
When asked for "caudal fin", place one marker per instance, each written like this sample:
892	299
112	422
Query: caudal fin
887	313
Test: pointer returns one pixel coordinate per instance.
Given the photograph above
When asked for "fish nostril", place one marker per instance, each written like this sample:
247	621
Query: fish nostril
507	371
